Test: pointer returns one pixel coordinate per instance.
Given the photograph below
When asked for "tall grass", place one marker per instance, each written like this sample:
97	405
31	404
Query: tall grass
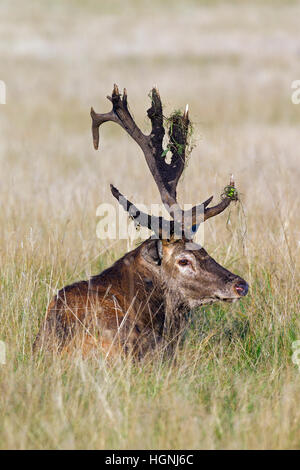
233	383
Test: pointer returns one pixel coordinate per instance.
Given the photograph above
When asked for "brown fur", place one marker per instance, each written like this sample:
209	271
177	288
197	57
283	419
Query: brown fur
136	305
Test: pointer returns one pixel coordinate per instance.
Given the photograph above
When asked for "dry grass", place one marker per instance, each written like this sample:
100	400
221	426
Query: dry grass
234	384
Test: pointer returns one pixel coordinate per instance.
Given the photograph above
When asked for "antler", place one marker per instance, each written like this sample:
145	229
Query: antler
161	227
119	114
166	175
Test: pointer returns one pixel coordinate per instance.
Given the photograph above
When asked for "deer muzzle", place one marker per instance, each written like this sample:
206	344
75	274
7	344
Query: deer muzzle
241	287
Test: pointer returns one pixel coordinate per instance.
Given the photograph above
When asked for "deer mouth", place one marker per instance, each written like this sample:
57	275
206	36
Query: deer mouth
236	292
227	299
212	300
241	288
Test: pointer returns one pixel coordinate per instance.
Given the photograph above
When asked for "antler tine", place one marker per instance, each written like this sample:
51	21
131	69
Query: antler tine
156	159
186	113
202	212
230	194
124	98
115	90
97	120
161	227
215	210
167	175
120	115
156	116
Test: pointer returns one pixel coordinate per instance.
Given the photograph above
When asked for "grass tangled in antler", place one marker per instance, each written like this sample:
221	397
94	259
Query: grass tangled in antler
231	192
175	119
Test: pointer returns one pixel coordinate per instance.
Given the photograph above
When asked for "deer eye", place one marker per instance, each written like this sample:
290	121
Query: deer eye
184	262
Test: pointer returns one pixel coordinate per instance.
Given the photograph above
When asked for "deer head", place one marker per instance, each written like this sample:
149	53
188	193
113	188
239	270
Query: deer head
186	271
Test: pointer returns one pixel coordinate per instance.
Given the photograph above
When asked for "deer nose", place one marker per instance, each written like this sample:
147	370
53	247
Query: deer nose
241	287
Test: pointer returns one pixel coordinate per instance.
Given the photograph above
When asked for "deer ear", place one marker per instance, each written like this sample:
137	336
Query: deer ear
152	251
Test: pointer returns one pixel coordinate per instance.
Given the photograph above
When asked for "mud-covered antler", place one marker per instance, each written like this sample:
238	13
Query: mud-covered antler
166	175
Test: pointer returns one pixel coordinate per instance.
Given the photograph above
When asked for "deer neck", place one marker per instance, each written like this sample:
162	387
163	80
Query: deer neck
154	303
176	315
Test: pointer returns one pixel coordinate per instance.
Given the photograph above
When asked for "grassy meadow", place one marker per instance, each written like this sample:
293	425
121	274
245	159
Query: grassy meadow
233	384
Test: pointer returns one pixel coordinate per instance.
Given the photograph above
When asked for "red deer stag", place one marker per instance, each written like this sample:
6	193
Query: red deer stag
142	302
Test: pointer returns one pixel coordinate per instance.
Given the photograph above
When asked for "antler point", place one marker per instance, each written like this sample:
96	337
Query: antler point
116	89
155	89
186	112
